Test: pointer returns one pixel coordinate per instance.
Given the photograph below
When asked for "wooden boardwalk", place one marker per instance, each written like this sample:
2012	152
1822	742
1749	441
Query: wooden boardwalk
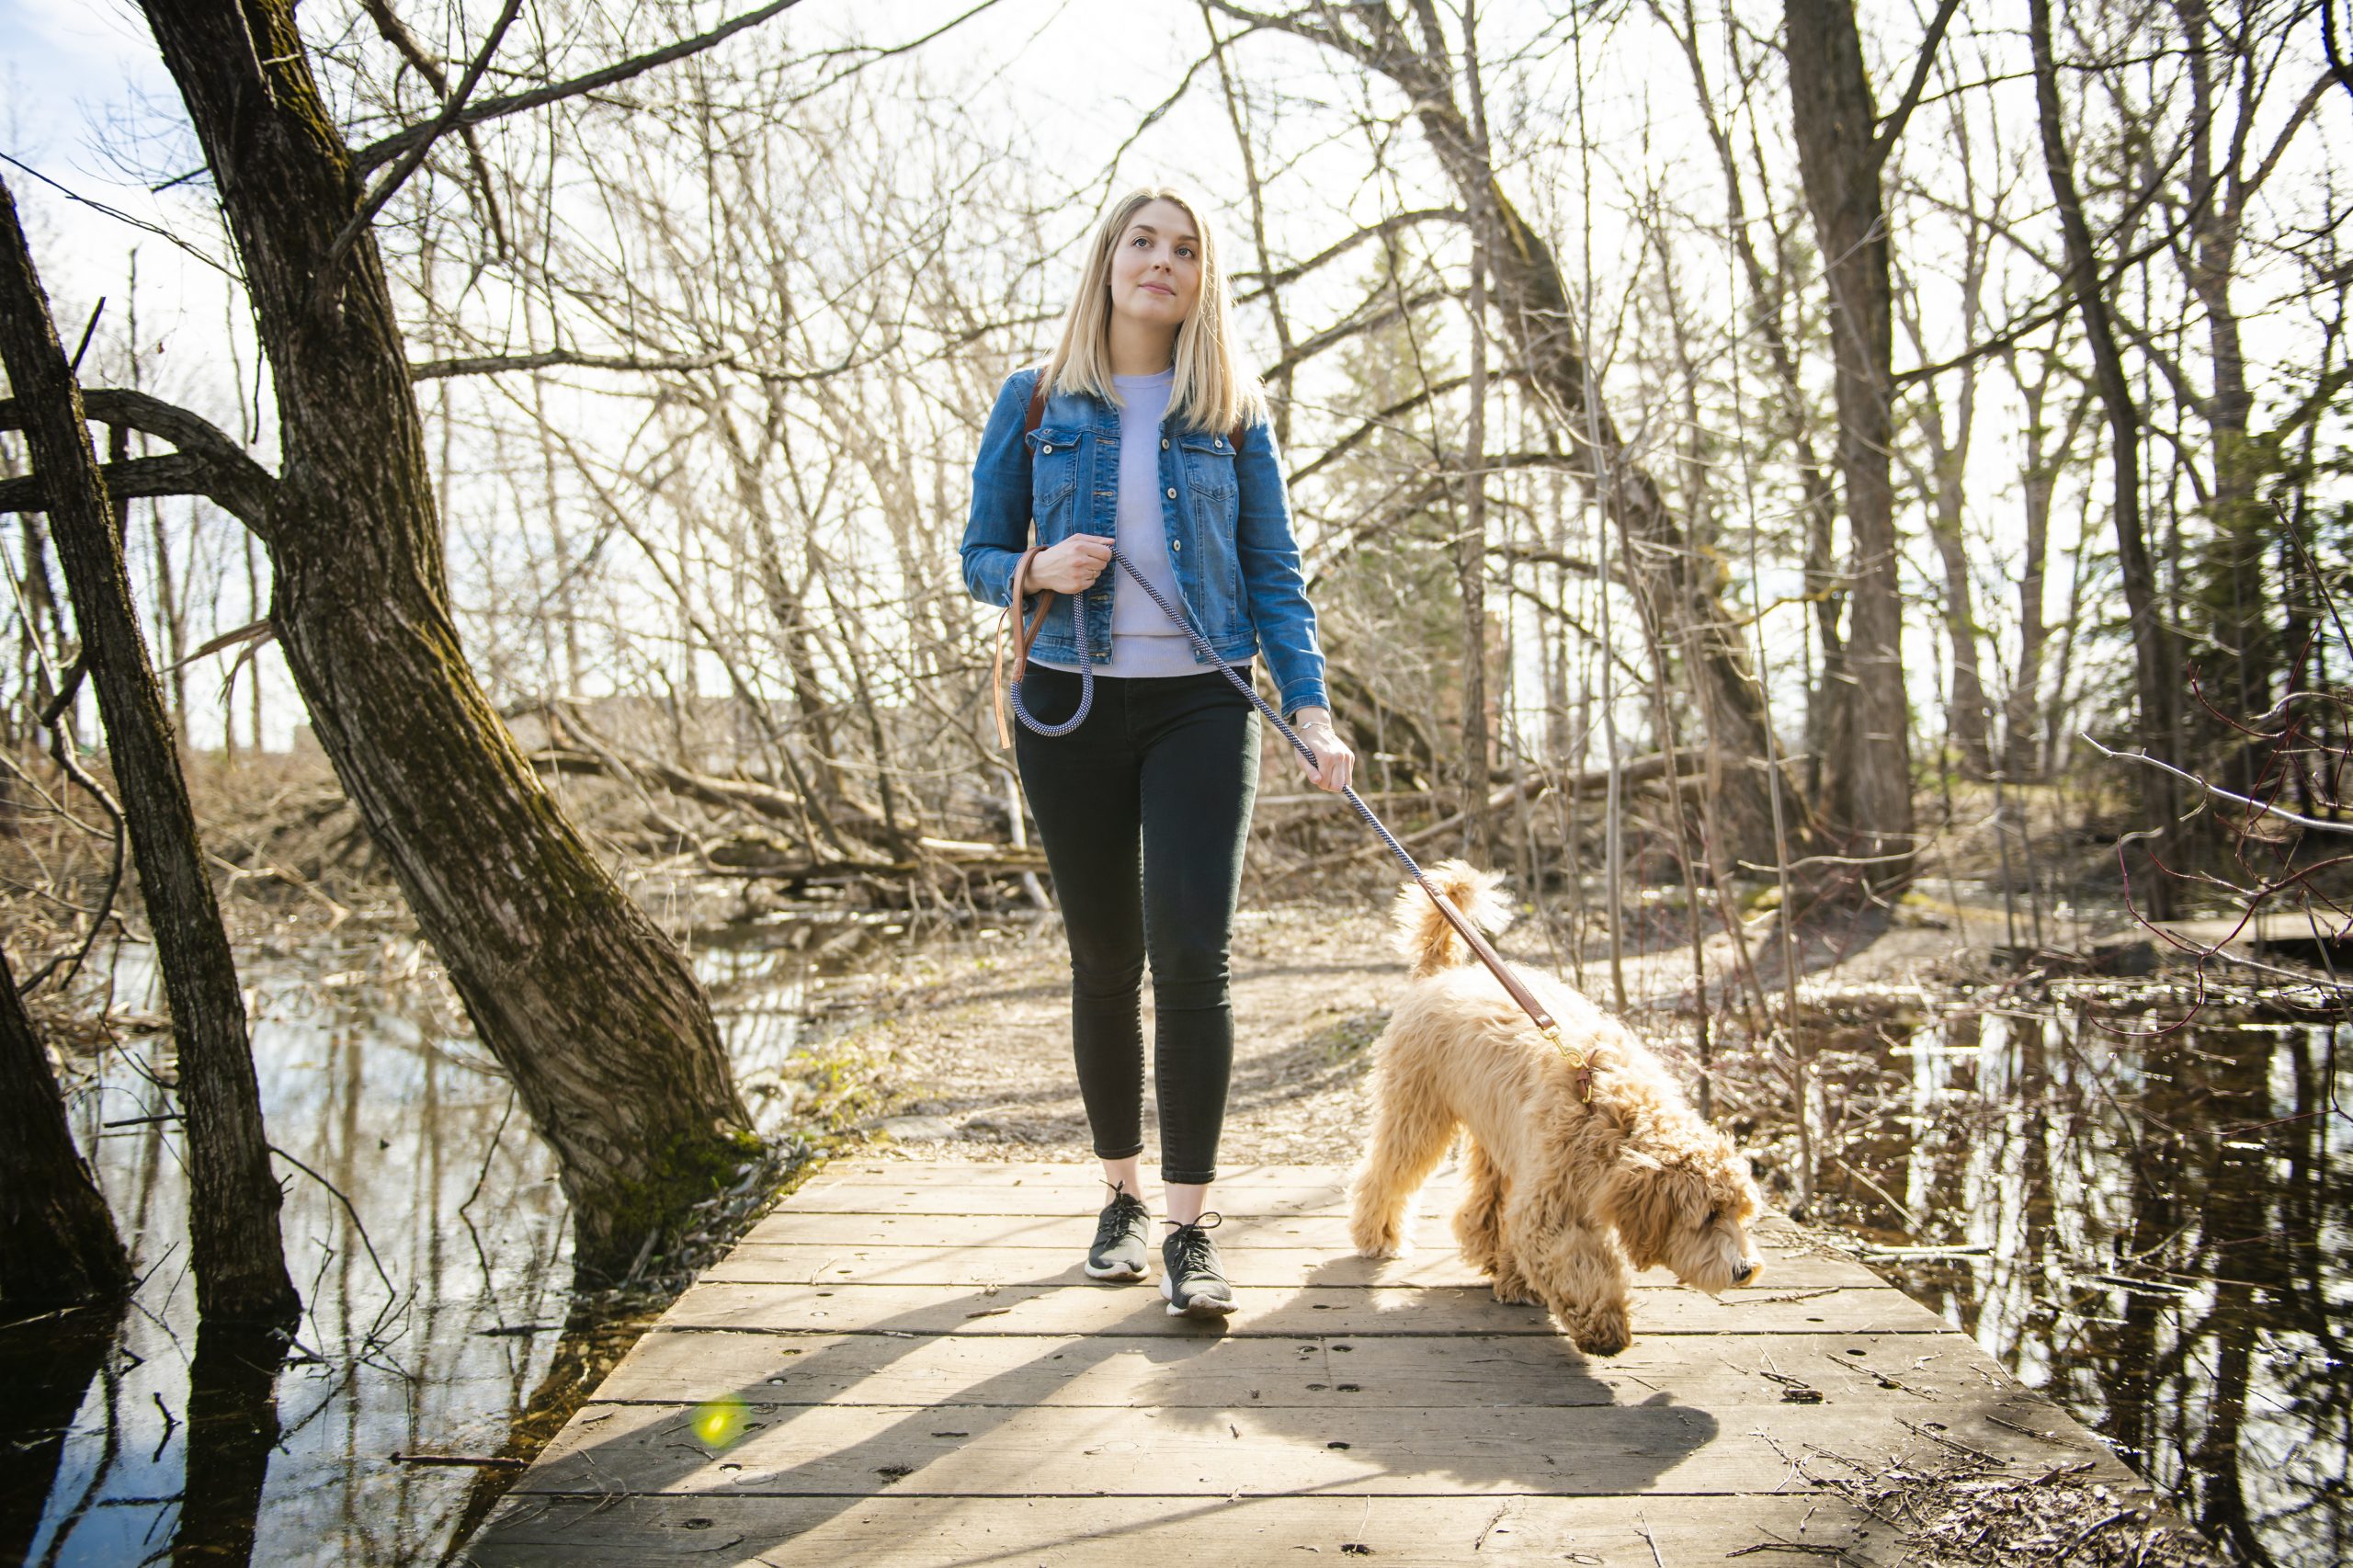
905	1365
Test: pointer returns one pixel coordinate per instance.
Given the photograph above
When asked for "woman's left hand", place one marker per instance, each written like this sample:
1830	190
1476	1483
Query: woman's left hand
1335	764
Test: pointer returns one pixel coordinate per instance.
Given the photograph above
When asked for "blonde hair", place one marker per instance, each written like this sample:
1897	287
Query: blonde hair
1210	391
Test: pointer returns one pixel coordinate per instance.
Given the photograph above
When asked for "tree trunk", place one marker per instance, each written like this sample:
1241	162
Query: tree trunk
2022	710
596	1015
1685	588
1965	705
2242	653
57	1245
2152	662
1470	580
1829	717
1531	296
1868	786
233	1195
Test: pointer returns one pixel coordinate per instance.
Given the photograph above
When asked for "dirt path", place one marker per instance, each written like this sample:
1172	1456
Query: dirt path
969	1043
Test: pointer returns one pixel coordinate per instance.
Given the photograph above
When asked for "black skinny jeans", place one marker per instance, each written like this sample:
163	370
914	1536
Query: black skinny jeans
1145	810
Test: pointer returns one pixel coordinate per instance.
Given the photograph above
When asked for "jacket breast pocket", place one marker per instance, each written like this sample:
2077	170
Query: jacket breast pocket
1208	467
1053	474
1217	502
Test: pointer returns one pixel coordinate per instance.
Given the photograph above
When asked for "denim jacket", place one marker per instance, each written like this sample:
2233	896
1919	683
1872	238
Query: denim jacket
1227	514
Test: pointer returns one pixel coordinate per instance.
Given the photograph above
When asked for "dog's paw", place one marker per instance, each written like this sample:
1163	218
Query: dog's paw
1513	1290
1604	1332
1373	1239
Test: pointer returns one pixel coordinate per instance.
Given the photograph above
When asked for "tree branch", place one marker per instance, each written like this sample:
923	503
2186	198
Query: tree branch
399	37
1892	126
331	268
2259	808
400	141
207	462
1332	252
549	358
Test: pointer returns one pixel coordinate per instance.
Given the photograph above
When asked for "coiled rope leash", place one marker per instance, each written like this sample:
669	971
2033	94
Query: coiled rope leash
1478	944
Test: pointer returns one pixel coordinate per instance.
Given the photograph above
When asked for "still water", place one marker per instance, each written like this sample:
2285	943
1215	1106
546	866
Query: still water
2154	1225
424	1338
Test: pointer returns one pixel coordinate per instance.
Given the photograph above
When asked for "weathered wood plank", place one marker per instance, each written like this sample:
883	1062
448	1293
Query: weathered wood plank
1074	1174
1309	1267
966	1449
1031	1309
1329	1232
903	1367
1895	1372
891	1531
949	1198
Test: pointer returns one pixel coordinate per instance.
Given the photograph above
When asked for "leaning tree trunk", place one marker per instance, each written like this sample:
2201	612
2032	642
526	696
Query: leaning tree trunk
2153	649
1532	297
607	1036
1531	294
233	1196
1868	786
58	1245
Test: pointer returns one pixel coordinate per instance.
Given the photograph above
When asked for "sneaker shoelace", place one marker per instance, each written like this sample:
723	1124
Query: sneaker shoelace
1194	1249
1112	1223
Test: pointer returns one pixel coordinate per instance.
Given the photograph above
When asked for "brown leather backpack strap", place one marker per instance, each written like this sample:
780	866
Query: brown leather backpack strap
1007	630
1027	634
1011	626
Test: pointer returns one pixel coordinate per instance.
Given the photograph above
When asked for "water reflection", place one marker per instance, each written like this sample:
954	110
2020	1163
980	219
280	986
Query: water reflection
47	1365
2154	1228
431	1336
232	1427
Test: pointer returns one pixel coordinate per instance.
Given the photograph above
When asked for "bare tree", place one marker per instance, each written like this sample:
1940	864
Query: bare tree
58	1244
2154	659
1543	321
233	1197
1842	148
594	1013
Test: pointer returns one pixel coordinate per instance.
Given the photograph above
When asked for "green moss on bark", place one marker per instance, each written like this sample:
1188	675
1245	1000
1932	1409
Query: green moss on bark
627	1223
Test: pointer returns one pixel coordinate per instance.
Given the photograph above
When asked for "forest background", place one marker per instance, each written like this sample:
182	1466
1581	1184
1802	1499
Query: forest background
495	470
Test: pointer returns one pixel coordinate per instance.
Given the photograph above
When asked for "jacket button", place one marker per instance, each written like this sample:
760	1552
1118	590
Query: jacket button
1172	492
1046	450
1176	544
1163	443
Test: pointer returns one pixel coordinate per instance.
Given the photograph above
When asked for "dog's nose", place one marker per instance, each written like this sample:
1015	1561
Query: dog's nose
1740	1275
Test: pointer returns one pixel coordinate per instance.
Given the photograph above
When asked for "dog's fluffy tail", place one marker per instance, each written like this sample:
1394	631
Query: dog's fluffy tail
1427	936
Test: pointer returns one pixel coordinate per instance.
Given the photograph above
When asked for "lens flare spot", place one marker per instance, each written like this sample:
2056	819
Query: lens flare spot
719	1424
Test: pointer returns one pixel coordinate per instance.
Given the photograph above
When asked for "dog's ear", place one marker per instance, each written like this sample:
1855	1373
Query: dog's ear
1640	1202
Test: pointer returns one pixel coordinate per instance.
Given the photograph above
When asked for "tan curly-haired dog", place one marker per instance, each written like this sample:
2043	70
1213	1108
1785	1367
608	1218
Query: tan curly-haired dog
1566	1198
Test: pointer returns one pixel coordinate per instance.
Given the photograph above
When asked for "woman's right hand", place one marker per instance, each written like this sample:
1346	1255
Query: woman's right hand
1072	565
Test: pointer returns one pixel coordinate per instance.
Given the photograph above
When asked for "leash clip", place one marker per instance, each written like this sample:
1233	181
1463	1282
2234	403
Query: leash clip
1576	1059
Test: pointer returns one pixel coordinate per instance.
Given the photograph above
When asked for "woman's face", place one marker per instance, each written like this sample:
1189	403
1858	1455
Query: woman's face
1157	267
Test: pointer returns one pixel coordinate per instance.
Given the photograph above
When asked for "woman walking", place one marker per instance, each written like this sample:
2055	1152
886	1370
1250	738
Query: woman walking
1141	431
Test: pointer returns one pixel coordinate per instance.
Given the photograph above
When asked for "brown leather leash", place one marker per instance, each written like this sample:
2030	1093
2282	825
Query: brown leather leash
1012	627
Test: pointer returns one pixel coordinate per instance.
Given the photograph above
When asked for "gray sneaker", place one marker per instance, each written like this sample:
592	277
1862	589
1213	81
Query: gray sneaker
1194	1282
1123	1238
